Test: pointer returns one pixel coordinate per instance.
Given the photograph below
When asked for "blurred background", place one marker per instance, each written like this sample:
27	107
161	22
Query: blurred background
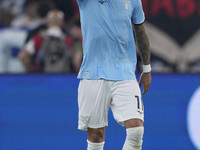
38	95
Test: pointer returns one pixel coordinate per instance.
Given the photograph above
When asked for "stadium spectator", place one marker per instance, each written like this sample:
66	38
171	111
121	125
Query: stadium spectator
11	42
67	7
29	18
44	7
40	53
15	6
6	17
76	34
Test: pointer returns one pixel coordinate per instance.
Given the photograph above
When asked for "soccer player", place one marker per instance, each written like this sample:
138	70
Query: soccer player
108	69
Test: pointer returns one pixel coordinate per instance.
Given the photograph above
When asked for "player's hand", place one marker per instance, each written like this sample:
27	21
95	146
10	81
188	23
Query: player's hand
145	79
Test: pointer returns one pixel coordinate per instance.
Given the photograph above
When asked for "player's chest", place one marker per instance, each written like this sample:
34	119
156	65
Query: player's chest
121	8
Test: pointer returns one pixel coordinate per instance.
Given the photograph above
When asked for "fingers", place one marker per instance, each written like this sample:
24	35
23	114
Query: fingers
146	88
140	83
145	79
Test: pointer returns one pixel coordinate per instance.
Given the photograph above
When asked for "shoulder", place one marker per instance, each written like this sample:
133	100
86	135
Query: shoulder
69	41
136	3
36	31
37	39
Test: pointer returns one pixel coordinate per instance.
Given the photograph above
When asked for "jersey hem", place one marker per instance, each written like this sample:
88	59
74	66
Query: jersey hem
120	79
139	23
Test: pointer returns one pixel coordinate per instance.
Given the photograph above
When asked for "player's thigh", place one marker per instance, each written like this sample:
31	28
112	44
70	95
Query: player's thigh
93	102
131	123
127	102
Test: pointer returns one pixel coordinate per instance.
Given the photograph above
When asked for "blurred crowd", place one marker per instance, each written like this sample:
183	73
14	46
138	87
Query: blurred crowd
44	36
40	36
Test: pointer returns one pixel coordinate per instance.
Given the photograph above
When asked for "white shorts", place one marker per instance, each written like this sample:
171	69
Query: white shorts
96	96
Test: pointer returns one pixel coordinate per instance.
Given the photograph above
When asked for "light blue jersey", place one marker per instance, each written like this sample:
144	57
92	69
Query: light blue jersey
108	43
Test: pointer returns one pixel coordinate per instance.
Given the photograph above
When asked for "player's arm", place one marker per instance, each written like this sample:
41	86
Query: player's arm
26	54
25	58
144	50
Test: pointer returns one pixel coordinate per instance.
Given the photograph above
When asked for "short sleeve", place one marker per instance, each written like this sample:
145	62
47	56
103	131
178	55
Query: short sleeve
30	47
138	16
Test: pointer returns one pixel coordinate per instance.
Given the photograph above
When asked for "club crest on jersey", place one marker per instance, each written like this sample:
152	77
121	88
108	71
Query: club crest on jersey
126	4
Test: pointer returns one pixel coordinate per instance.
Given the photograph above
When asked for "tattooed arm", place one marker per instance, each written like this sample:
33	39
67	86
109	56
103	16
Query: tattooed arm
143	46
143	43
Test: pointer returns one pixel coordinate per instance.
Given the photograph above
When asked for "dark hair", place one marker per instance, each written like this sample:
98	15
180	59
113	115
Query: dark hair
6	17
28	2
44	7
75	22
66	6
